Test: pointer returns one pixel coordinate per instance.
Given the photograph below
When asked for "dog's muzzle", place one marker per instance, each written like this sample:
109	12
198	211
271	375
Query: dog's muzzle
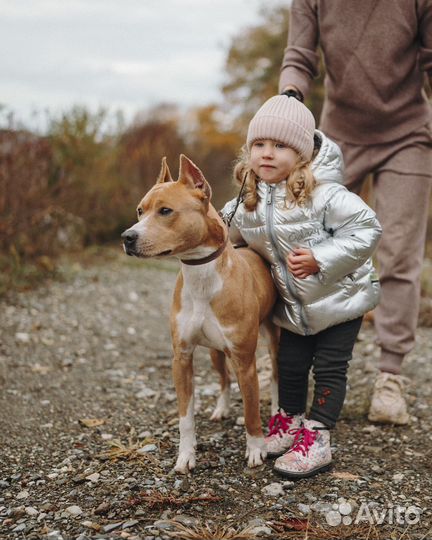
129	238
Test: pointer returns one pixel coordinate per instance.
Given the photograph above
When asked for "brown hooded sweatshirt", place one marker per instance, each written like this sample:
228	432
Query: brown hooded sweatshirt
376	54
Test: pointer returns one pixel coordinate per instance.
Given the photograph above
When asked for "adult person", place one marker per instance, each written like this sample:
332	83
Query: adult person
377	54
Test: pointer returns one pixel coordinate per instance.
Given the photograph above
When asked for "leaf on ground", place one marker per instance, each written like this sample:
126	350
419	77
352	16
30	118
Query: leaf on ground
345	476
38	368
91	422
290	523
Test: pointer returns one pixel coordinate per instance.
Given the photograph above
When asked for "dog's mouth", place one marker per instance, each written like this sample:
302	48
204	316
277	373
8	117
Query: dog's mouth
129	251
134	253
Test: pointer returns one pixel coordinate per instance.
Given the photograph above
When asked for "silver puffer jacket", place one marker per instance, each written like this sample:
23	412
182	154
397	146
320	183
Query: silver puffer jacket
342	233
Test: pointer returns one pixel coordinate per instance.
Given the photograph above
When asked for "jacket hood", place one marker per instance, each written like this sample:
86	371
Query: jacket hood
328	165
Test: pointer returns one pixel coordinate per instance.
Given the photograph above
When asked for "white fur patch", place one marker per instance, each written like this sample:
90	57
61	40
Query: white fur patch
256	450
223	405
197	323
141	226
186	458
274	392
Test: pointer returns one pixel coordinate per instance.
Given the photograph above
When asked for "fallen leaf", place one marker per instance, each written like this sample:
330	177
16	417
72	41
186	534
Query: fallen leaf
38	368
345	476
91	422
91	525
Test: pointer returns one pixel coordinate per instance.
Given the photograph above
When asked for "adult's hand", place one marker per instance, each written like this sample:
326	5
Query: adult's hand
292	91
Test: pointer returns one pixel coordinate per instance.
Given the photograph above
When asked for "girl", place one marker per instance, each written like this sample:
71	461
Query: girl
318	238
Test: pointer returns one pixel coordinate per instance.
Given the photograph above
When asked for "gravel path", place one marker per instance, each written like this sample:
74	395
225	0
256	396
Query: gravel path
88	428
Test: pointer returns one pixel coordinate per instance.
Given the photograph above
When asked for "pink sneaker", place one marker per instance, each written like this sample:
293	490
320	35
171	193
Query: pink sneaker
282	431
310	454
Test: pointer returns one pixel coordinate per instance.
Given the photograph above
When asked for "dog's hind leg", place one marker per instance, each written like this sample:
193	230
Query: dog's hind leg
223	402
183	380
271	334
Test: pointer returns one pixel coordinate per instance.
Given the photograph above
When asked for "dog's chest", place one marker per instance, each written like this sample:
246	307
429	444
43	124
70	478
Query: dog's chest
197	323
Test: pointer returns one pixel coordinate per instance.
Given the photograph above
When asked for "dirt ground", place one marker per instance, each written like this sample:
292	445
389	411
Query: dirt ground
89	431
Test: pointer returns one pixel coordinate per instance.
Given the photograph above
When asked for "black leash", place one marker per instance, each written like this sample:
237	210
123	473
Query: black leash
229	217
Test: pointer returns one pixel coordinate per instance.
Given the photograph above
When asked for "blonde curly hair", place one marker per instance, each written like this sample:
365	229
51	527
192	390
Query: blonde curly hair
299	186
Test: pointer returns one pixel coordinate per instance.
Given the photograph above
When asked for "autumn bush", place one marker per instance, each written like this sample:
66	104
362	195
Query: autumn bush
80	182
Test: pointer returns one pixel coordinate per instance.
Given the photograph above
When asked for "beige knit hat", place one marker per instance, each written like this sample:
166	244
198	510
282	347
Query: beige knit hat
287	120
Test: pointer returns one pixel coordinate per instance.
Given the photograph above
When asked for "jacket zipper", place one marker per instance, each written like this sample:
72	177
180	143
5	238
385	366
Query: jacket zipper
286	277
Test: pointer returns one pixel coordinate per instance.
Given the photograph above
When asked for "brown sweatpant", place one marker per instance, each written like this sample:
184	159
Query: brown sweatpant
402	180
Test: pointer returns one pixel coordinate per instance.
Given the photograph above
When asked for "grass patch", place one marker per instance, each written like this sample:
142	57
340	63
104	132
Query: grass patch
113	253
19	275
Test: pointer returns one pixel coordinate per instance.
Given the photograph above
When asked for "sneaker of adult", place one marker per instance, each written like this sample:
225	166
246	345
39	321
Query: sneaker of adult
282	431
309	455
388	404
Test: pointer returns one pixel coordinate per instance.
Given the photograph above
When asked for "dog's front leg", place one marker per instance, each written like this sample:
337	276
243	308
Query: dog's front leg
184	384
248	382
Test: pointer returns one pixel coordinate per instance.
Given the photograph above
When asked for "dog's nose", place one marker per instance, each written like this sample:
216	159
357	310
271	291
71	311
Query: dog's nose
129	237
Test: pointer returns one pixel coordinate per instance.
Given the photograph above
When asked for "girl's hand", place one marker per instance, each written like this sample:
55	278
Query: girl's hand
301	263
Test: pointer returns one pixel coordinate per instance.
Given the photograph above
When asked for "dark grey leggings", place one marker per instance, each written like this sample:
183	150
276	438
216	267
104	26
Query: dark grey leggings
328	354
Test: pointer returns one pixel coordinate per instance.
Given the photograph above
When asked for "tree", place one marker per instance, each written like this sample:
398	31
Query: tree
253	66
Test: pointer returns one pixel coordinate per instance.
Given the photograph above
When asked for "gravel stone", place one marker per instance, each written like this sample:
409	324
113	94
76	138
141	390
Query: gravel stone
111	527
74	510
273	490
304	508
147	448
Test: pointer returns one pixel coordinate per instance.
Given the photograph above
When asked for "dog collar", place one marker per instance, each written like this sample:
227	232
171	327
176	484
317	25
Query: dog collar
211	257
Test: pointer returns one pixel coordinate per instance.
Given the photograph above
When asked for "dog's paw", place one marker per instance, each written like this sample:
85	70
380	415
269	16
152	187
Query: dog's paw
222	408
256	457
186	461
219	413
256	451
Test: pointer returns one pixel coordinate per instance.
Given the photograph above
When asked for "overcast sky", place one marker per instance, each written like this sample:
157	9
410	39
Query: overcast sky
125	54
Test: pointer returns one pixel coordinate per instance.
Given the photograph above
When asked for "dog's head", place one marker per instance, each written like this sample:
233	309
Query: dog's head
173	216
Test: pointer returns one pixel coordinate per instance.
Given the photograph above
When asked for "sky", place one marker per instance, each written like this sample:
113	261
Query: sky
127	55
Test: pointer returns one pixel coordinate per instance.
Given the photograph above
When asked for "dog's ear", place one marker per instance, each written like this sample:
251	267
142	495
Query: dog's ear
164	175
191	175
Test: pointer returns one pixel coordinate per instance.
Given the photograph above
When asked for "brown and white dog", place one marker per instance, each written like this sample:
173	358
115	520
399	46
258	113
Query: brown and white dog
222	296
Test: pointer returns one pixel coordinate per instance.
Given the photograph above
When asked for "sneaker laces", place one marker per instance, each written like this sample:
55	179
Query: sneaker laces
279	424
391	383
304	439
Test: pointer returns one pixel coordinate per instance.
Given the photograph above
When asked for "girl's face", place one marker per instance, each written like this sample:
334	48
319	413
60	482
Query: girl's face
272	161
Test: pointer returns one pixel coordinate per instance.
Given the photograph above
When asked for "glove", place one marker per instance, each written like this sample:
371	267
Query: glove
293	93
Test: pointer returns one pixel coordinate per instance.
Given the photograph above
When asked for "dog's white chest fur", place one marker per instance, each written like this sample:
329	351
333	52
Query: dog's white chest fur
196	321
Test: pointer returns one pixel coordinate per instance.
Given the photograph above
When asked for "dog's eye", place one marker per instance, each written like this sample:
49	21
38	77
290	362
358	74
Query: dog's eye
165	211
139	212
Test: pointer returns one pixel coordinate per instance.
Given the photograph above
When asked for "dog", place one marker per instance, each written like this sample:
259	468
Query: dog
221	297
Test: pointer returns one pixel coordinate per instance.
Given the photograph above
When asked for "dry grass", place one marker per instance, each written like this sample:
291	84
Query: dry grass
291	528
128	452
208	532
155	499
